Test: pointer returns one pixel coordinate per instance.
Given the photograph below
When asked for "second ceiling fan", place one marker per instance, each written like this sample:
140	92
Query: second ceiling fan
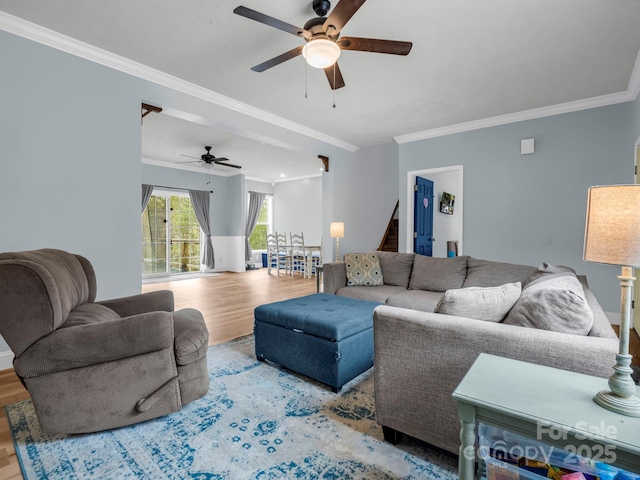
211	160
322	35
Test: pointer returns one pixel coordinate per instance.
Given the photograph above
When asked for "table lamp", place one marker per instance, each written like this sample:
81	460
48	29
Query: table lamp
336	230
612	236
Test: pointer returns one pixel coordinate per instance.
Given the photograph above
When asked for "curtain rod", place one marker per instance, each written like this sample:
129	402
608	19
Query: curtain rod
176	188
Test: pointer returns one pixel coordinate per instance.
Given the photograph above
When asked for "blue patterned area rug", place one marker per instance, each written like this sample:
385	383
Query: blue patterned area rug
258	421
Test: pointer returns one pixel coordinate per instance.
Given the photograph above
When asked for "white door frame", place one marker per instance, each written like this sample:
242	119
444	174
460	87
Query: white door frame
411	180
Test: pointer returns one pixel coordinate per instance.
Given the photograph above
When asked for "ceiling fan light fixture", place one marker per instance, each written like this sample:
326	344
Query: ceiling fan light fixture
321	53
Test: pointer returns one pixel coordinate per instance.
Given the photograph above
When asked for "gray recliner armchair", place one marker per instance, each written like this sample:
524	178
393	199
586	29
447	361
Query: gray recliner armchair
92	366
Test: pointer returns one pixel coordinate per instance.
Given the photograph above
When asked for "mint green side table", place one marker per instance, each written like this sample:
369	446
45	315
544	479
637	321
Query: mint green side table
519	397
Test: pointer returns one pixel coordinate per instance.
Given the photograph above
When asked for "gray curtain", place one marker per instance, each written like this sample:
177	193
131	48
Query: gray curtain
255	205
200	202
147	190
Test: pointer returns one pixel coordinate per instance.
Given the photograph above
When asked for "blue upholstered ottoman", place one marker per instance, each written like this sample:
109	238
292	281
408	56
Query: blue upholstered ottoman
325	337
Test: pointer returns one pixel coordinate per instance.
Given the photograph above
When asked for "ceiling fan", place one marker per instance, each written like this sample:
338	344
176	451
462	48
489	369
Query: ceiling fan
210	159
322	36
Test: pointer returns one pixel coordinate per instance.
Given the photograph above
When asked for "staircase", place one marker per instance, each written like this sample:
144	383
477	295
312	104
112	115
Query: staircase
389	241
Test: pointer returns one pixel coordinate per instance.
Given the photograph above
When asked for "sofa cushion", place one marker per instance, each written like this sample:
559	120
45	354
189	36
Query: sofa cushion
485	273
374	294
438	274
556	303
396	267
421	300
482	303
363	269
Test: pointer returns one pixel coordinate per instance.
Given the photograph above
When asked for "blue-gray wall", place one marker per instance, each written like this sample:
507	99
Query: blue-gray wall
70	161
531	208
219	203
297	207
364	190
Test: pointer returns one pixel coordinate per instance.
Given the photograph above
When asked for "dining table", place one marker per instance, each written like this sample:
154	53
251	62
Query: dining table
308	254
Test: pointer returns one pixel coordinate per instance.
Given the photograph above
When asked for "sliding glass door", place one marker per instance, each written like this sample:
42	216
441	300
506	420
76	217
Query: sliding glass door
170	235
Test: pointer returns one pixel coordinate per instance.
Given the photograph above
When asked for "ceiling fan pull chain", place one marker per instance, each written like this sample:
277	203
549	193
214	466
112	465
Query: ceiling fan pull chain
306	68
334	84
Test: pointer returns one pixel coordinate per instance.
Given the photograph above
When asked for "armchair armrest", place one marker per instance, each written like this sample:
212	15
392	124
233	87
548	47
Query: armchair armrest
421	357
162	300
83	345
334	277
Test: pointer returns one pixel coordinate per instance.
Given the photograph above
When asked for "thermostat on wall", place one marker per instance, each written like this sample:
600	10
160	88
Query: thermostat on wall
526	146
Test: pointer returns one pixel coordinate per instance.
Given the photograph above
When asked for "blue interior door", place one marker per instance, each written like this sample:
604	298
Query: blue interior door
423	217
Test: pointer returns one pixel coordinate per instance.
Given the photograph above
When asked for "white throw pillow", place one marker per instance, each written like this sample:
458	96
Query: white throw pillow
555	302
481	303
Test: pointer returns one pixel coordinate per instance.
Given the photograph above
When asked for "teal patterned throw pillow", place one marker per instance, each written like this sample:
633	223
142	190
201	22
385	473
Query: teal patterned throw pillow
363	269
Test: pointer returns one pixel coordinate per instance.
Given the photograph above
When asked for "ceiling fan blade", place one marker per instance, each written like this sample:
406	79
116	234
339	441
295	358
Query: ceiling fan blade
277	60
376	45
340	15
339	81
221	159
197	161
189	156
227	164
272	22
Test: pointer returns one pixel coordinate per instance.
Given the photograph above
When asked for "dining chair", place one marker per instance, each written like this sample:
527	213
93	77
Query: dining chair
284	253
315	261
298	254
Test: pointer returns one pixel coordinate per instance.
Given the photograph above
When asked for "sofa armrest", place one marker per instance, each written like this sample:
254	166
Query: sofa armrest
83	345
334	277
420	358
162	300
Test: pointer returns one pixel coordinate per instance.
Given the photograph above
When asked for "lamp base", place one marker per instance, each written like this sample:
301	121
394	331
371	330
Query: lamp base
629	406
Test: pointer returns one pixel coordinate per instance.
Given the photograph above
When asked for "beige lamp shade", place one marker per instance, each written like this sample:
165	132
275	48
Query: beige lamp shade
612	233
336	229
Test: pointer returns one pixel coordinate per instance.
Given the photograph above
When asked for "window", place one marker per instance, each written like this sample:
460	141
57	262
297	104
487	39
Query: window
170	235
154	236
258	239
185	236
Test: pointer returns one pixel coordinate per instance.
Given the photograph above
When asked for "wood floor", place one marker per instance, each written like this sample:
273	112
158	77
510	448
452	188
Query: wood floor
227	304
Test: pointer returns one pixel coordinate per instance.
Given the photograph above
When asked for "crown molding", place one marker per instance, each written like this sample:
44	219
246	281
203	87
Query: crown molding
193	168
568	107
634	81
281	180
37	33
189	168
293	179
602	101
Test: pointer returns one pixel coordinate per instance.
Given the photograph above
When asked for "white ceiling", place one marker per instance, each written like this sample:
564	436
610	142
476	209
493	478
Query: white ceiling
166	139
470	60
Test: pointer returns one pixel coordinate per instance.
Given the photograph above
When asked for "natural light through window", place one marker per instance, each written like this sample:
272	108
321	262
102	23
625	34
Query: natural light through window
258	239
170	235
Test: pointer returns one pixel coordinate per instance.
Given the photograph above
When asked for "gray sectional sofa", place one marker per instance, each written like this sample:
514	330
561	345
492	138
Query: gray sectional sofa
422	355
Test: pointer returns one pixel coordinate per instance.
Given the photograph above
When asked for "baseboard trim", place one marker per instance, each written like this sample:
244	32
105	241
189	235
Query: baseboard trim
614	317
6	360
